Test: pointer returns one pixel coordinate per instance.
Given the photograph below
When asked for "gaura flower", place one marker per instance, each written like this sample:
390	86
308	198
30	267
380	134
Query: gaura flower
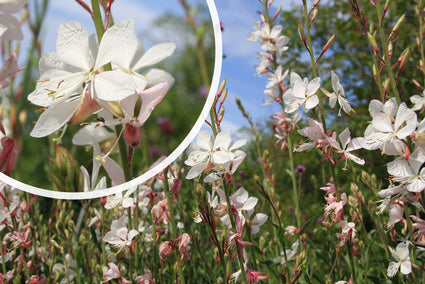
301	93
77	66
401	255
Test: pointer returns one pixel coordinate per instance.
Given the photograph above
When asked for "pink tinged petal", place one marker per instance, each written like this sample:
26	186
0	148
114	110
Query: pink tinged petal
313	86
237	161
114	41
399	168
12	6
155	54
53	118
114	171
72	45
13	31
405	115
150	99
382	123
113	86
10	67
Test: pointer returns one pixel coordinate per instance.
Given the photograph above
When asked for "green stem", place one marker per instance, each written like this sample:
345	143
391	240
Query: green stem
386	53
351	260
173	222
97	18
322	117
155	251
130	255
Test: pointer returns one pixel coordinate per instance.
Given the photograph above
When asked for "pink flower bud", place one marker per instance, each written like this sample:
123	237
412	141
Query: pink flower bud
165	249
184	241
8	155
132	135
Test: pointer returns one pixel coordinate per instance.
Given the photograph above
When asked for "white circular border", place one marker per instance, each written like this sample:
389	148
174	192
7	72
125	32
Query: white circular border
163	164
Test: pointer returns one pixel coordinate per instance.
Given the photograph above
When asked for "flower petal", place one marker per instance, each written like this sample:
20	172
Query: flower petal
155	54
72	45
113	85
53	118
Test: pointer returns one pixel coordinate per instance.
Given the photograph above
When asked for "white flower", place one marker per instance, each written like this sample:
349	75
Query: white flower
338	95
401	255
10	28
418	101
270	38
207	151
112	273
388	132
348	145
396	213
290	253
120	238
276	78
133	58
79	62
301	93
258	220
125	201
409	173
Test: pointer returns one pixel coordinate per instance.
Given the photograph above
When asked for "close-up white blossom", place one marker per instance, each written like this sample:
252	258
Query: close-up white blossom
302	93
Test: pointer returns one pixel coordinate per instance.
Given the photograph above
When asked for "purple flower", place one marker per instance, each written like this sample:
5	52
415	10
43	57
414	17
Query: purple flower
300	169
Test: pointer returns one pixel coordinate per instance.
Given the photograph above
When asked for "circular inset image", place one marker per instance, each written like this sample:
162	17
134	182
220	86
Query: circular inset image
110	95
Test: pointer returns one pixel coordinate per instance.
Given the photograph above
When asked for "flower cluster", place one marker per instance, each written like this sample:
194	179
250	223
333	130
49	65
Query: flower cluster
85	75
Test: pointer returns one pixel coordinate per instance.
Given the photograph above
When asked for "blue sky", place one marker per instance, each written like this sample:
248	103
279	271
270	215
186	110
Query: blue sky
237	16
